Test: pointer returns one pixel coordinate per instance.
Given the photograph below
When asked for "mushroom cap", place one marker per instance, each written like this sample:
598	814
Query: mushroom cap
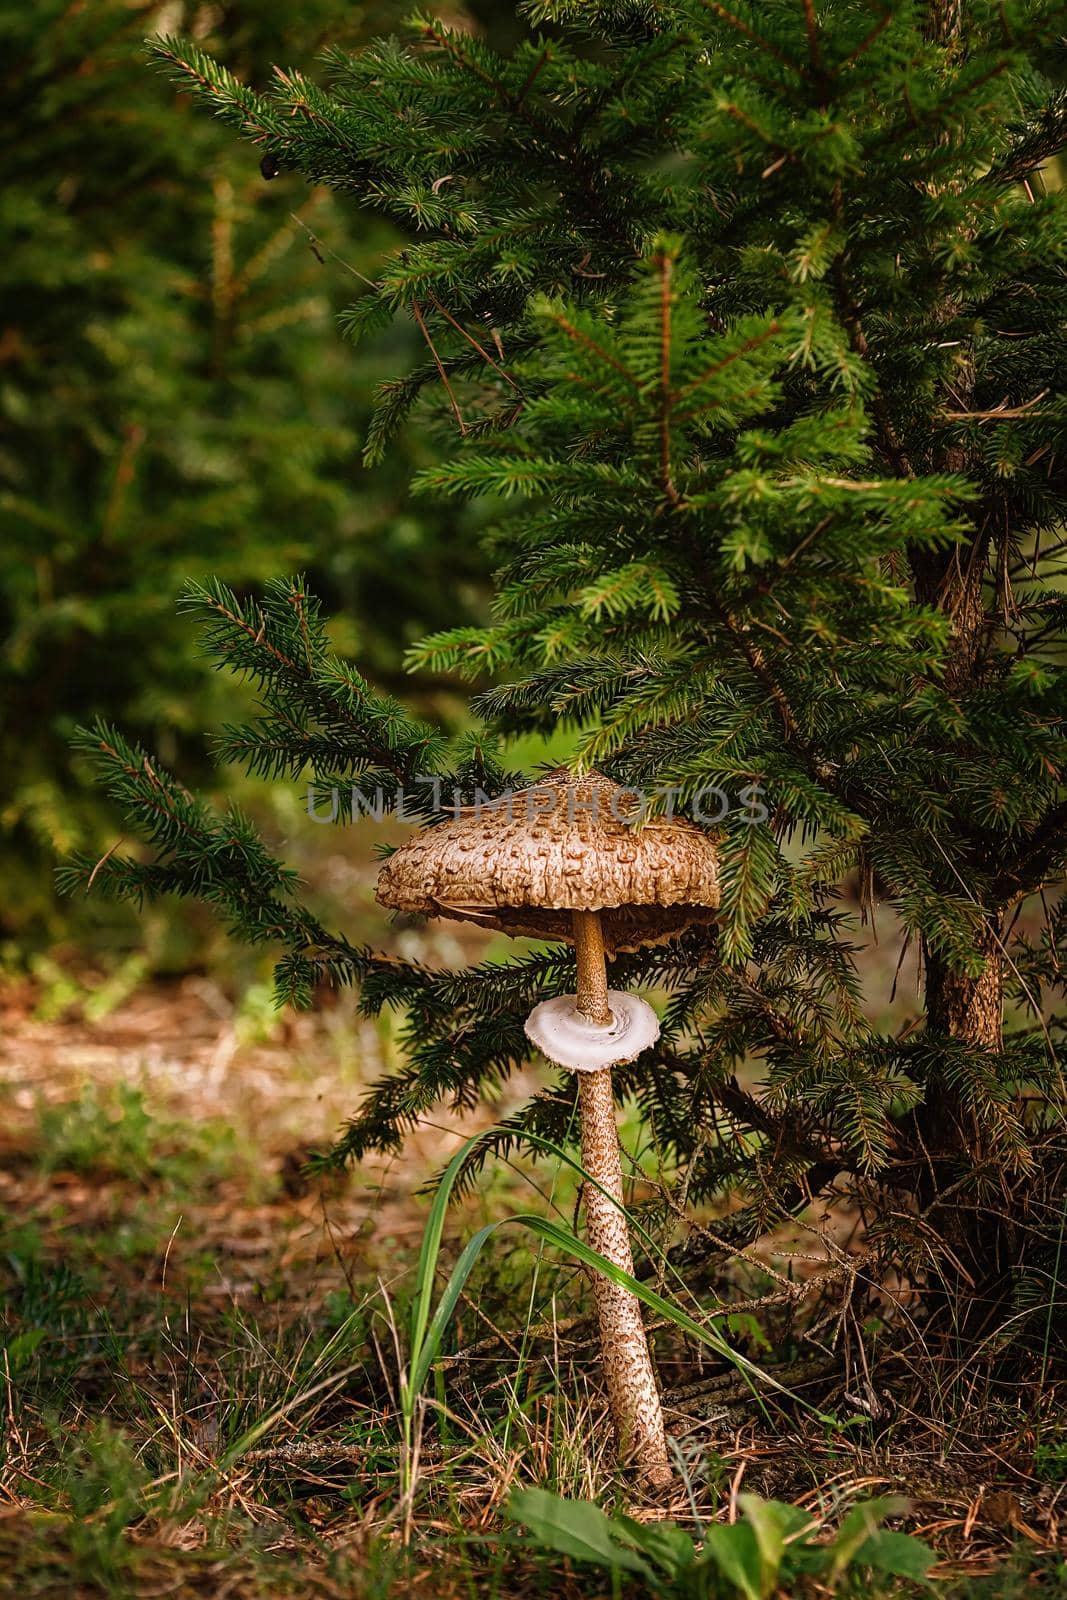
524	862
565	1036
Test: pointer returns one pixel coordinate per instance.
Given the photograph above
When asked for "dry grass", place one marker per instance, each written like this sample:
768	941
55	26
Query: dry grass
202	1344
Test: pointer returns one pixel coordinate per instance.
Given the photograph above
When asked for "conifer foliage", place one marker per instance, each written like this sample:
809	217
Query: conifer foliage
173	402
750	320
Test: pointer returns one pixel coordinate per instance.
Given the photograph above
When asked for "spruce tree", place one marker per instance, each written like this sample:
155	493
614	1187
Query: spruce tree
174	402
749	319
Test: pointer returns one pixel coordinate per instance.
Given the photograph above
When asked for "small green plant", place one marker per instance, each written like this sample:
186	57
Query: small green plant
1050	1460
45	1315
60	990
772	1547
96	1132
113	1131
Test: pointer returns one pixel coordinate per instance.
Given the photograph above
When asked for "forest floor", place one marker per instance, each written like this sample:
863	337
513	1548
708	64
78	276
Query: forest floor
201	1342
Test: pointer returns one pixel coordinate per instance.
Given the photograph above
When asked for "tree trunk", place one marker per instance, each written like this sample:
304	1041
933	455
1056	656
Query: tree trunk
944	20
980	1243
969	1009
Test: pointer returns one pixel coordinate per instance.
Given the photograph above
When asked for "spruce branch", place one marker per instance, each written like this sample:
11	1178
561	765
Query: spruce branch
1036	143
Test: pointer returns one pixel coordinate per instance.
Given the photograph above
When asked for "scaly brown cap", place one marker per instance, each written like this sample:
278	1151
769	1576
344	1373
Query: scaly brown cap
524	863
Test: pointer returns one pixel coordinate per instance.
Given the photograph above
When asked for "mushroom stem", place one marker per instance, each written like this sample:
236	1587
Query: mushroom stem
631	1382
592	967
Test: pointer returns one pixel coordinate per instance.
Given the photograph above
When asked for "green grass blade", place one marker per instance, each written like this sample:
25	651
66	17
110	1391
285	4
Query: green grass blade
428	1351
571	1245
427	1265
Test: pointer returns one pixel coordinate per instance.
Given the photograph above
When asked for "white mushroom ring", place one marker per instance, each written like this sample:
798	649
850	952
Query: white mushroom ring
566	1036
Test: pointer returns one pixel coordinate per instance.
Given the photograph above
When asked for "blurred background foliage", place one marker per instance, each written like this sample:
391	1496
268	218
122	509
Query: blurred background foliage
176	400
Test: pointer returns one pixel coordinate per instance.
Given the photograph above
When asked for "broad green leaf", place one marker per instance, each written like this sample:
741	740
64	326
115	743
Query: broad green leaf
575	1528
669	1546
735	1551
20	1350
862	1521
899	1554
771	1522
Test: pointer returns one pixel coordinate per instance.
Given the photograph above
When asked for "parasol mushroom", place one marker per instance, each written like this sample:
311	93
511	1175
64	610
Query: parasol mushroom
564	860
